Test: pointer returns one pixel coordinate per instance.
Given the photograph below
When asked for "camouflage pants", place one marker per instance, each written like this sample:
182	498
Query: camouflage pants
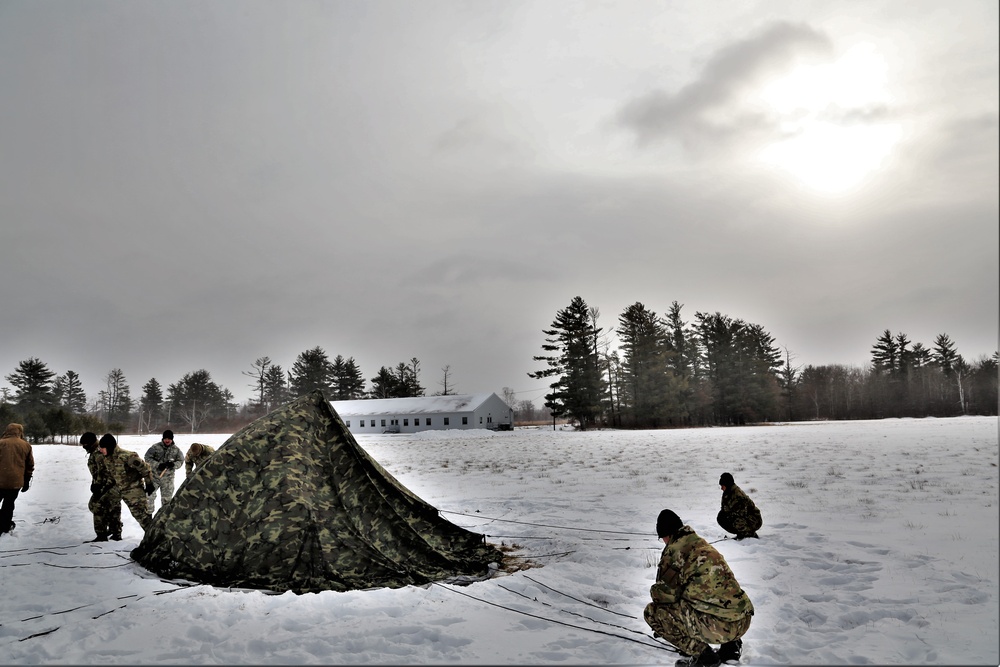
691	630
107	511
741	525
135	499
165	485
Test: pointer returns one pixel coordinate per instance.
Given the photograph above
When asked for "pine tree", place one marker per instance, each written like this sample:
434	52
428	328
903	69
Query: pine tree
578	388
150	405
276	392
195	398
644	344
312	370
33	381
348	383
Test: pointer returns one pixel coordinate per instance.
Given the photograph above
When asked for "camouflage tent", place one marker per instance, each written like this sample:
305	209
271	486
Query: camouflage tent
292	502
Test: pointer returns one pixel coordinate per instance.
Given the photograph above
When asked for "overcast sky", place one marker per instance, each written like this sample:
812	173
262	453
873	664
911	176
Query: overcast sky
188	185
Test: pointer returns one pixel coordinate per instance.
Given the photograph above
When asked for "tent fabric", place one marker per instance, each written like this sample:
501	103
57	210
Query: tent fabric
292	502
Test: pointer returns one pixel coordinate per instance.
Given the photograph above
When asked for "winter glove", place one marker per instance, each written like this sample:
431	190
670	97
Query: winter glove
662	594
27	482
164	466
150	487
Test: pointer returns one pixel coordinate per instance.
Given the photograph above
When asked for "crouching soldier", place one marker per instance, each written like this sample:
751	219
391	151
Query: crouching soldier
105	501
163	459
697	601
132	477
738	514
196	457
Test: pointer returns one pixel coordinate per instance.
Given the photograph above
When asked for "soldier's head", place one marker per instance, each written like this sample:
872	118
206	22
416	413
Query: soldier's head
195	449
168	437
89	442
726	481
667	524
108	444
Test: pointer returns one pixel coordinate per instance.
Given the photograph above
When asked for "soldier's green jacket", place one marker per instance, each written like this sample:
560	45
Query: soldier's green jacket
100	472
128	470
740	511
191	461
692	570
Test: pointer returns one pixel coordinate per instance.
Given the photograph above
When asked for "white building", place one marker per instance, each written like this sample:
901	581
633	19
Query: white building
409	415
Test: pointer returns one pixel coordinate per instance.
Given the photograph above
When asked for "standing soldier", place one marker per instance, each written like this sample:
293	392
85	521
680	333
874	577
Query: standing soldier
738	514
196	457
163	458
17	465
132	477
105	501
697	601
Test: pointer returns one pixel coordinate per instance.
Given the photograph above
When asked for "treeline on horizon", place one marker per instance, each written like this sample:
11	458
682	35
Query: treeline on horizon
56	406
664	373
721	371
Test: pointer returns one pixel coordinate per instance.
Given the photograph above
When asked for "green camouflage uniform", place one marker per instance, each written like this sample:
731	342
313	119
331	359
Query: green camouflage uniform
131	474
696	599
739	514
163	479
192	461
105	500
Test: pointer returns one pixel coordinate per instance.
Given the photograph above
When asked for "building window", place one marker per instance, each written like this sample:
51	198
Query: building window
480	419
465	420
416	421
427	421
362	423
383	422
447	421
348	423
406	422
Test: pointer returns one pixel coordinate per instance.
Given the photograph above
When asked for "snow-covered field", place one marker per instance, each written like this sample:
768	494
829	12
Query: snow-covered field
879	545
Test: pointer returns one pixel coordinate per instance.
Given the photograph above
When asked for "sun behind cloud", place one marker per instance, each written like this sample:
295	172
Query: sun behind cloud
833	135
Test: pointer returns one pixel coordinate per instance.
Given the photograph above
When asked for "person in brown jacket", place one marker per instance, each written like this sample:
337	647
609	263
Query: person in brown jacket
17	465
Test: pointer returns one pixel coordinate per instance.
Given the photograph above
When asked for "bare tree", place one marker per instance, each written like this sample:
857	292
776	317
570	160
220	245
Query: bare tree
509	397
258	371
446	388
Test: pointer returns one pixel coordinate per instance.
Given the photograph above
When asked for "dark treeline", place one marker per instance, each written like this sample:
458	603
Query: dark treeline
55	406
723	371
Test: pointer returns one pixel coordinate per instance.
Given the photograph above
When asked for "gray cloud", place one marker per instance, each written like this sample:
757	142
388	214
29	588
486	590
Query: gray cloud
704	111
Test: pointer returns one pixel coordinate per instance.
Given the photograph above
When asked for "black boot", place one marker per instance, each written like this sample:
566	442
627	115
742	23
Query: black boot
117	537
708	658
99	538
731	651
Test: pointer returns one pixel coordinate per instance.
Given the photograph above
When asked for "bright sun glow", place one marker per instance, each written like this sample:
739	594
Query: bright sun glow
833	143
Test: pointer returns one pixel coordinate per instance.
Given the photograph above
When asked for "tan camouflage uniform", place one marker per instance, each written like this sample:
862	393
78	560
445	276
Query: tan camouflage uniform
131	474
739	514
163	480
196	456
105	500
696	598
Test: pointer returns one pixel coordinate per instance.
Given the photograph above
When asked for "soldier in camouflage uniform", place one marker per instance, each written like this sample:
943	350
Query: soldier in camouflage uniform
105	501
196	456
738	514
132	477
163	459
696	598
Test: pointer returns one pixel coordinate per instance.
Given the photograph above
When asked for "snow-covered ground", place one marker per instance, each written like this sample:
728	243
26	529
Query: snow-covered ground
879	545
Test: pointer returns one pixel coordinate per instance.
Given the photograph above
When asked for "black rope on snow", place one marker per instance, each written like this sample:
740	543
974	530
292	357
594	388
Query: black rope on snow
573	613
544	525
552	620
591	604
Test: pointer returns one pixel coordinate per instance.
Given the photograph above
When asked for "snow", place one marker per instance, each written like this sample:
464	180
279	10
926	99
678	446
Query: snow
879	546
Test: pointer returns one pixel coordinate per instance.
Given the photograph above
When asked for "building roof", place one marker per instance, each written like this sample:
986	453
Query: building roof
410	406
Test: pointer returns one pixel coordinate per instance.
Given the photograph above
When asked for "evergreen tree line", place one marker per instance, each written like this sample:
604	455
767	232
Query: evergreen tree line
55	406
718	370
